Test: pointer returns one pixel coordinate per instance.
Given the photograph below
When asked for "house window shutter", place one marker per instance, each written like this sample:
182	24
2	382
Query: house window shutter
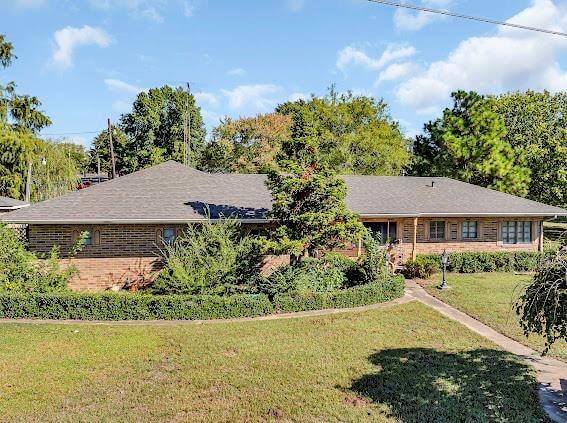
159	234
75	235
96	237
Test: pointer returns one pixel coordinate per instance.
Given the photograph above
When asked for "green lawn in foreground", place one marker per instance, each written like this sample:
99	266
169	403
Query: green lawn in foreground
405	363
490	298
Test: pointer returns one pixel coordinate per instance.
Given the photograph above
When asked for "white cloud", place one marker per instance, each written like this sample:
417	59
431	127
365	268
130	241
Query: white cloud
191	6
512	59
405	19
350	56
147	9
397	71
69	38
236	72
121	86
205	97
258	96
296	5
299	96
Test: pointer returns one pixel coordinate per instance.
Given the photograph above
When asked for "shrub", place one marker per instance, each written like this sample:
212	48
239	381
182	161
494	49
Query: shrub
389	289
210	259
126	306
21	271
373	266
422	267
310	275
473	262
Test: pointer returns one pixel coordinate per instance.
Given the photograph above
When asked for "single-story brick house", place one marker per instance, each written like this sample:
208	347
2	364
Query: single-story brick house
128	218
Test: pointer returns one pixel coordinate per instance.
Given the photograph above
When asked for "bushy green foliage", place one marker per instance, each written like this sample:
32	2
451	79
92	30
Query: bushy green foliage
422	267
543	306
126	306
210	259
474	262
21	271
469	143
373	266
389	289
311	275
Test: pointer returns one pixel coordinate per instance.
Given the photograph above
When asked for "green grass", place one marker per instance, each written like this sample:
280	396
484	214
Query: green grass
405	363
490	298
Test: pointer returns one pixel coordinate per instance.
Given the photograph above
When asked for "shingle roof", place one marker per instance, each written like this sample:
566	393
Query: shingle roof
7	203
171	192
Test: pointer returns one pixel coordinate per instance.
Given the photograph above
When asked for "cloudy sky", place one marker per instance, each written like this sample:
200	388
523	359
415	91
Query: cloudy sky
87	59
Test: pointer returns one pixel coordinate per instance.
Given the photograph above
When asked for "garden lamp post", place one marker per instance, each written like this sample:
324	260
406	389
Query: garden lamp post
444	262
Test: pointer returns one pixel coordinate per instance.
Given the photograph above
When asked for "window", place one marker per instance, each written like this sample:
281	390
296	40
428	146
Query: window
89	238
470	230
168	235
517	232
384	232
437	229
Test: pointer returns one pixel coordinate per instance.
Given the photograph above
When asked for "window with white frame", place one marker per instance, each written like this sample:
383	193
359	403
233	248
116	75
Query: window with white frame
470	229
519	232
437	229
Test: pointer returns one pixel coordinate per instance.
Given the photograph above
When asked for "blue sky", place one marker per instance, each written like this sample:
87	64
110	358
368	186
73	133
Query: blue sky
86	60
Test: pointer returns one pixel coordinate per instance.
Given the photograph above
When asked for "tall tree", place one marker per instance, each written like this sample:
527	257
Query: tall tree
18	111
356	133
536	124
154	130
246	145
469	143
53	170
308	197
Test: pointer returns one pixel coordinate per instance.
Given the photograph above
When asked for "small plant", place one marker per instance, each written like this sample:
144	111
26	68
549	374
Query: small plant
422	267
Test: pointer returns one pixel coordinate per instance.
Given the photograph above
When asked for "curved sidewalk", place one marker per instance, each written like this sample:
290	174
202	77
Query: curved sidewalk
551	373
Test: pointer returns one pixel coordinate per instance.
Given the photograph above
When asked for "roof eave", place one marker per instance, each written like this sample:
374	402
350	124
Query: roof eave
118	221
531	214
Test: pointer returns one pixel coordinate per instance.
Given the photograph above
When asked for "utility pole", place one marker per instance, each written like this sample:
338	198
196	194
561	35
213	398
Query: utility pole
111	149
28	183
187	129
98	166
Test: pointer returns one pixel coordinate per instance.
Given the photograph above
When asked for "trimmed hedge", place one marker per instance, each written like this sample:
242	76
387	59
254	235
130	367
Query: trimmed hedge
474	262
352	297
124	306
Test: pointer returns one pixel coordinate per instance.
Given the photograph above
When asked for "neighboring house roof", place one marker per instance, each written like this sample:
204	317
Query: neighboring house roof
171	192
7	203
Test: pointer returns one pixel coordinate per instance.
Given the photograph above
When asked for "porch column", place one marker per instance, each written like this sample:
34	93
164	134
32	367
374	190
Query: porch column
414	241
540	244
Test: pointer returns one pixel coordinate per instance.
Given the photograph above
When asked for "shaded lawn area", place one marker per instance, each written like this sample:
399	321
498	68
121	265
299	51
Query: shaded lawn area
490	298
405	363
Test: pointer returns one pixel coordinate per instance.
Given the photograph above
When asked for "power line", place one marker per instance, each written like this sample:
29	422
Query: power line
69	133
472	18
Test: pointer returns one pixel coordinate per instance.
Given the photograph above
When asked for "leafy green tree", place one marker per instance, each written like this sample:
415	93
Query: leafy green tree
16	151
308	197
246	145
469	143
536	124
18	111
124	160
154	131
356	133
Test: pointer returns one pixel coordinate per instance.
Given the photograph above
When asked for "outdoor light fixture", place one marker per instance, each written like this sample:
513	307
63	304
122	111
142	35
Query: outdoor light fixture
444	262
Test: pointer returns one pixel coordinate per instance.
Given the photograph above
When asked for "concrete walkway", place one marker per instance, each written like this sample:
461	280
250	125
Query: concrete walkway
551	373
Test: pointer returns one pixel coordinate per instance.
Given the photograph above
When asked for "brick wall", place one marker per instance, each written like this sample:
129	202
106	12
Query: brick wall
122	253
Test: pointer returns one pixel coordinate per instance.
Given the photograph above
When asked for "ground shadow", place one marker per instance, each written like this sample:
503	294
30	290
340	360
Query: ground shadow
425	385
216	211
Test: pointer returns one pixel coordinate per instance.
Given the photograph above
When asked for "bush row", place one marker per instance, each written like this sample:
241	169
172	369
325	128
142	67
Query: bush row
472	262
360	295
123	306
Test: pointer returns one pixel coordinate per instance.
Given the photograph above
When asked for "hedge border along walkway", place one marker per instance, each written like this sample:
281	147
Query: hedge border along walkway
115	307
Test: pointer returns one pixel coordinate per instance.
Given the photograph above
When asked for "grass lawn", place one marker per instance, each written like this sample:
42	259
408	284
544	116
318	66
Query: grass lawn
490	297
405	363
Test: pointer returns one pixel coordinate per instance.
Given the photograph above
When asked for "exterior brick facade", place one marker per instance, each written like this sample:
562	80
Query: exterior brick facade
125	253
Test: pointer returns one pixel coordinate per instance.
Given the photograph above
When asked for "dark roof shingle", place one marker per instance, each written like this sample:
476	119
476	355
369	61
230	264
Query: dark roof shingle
171	192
